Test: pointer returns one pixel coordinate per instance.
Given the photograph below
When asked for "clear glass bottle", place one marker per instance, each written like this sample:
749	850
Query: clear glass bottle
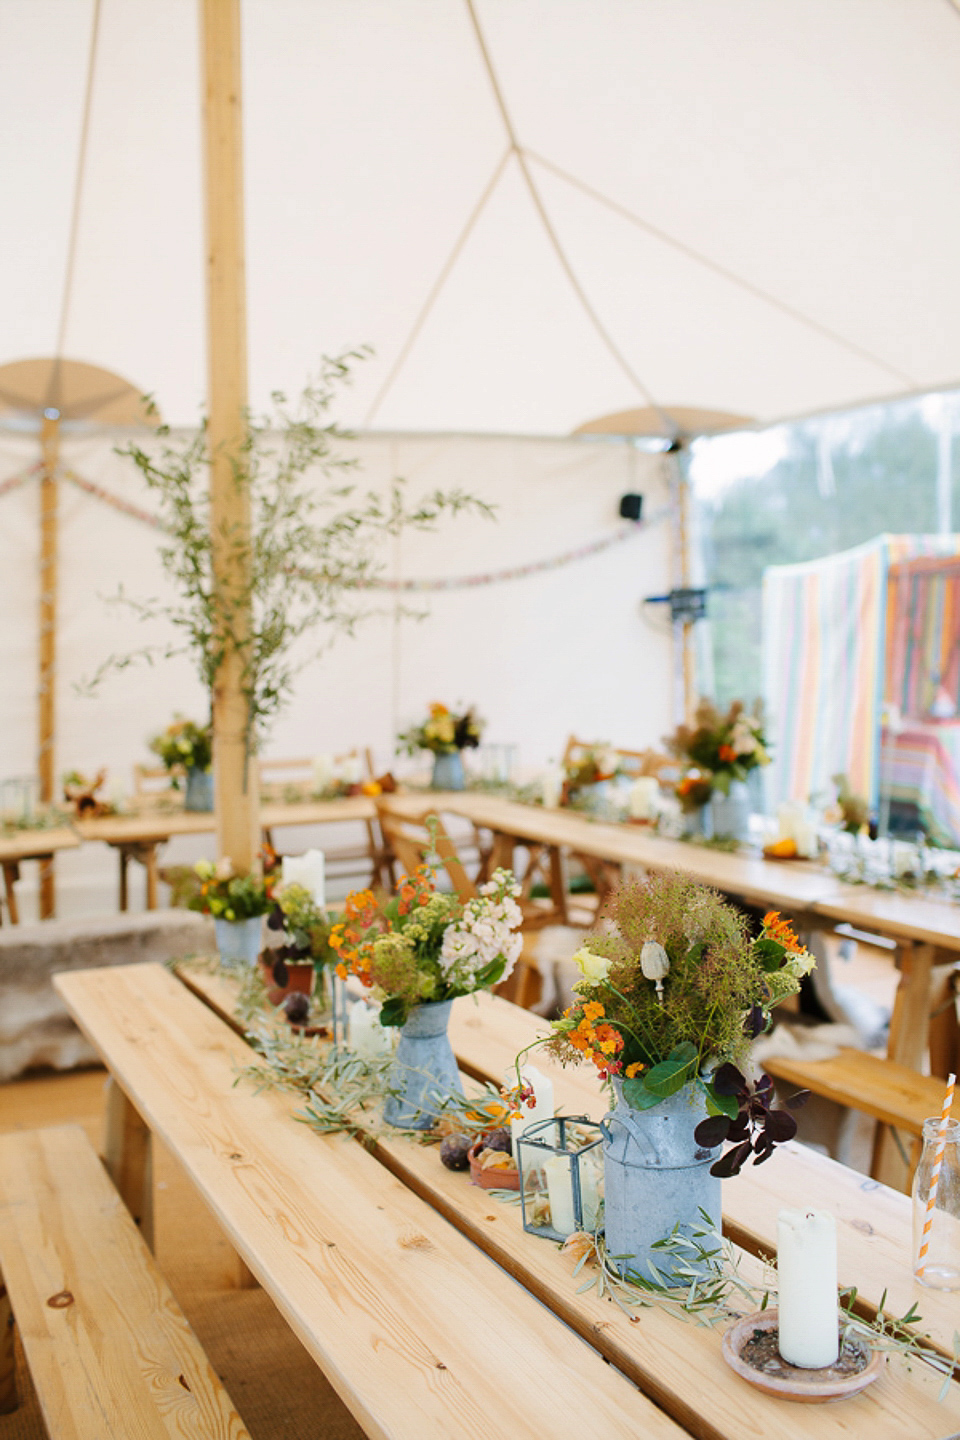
941	1264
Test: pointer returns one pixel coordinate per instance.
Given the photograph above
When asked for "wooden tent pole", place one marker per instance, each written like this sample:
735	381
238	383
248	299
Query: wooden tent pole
236	785
47	676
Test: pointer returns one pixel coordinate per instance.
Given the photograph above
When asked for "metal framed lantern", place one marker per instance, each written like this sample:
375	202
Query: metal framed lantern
561	1176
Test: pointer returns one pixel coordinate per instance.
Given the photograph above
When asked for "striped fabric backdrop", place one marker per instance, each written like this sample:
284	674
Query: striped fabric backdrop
923	634
824	644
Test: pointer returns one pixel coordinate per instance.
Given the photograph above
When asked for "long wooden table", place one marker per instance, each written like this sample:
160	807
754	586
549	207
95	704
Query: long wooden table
138	837
39	845
413	1319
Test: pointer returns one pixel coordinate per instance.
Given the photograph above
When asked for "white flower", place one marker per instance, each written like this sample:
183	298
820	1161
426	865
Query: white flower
593	968
224	868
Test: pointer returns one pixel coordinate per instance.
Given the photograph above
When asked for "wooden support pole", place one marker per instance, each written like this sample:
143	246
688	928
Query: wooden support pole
47	669
235	777
8	1373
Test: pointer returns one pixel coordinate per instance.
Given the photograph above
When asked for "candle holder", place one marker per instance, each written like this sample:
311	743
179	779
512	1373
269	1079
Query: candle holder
561	1176
750	1347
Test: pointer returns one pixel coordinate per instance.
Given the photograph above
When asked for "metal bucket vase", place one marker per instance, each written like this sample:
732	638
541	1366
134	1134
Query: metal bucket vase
424	1070
199	795
698	824
238	941
731	813
656	1177
448	772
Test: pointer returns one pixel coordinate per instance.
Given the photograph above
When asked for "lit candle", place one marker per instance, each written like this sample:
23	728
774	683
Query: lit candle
307	870
807	1283
642	798
542	1108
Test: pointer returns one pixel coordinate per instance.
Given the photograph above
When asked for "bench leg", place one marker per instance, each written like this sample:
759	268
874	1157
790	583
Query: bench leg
123	858
128	1155
910	1022
8	1375
11	874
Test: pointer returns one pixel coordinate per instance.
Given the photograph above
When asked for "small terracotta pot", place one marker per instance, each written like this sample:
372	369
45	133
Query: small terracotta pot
300	977
490	1179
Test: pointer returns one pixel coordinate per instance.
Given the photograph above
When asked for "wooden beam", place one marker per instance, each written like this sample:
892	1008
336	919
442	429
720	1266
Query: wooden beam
235	778
47	650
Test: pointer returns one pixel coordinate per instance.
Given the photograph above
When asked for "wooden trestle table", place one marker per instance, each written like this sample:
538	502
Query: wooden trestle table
39	845
421	1298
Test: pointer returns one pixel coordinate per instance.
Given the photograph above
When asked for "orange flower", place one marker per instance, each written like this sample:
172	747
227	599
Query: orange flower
727	754
592	1010
774	928
634	1069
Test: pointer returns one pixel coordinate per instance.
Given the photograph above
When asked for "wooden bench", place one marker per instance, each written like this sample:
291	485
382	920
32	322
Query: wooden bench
109	1350
892	1094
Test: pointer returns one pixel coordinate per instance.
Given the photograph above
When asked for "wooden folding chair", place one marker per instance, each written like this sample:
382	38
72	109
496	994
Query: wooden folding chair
345	861
411	842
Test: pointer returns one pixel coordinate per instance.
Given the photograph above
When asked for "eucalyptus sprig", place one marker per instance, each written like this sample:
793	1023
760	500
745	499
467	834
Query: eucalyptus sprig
312	550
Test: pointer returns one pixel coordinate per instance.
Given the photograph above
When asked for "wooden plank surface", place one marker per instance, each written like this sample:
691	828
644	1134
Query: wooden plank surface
892	1093
109	1350
922	918
163	825
29	844
874	1223
419	1333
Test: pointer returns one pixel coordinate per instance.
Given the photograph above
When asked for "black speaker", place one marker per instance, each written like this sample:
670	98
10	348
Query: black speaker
631	506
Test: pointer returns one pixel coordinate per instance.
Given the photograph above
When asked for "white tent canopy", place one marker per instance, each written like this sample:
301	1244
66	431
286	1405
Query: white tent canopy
756	198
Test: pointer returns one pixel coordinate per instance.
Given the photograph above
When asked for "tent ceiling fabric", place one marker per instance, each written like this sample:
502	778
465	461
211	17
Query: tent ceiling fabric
76	391
757	197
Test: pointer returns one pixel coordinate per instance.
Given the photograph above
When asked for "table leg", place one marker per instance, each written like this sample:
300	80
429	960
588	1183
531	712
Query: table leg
8	1374
150	864
128	1154
245	1278
558	884
11	874
48	899
123	858
910	1022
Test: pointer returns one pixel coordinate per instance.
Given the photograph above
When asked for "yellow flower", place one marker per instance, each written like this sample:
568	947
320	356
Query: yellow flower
593	968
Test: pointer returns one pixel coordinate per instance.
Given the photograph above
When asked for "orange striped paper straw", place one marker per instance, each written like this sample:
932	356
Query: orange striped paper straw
935	1177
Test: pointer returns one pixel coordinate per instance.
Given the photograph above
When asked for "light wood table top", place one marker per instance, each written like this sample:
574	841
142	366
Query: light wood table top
874	1222
160	825
385	1294
32	844
421	1335
921	918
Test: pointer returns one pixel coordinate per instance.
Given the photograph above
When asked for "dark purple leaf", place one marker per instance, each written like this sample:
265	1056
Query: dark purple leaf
712	1131
275	919
732	1162
801	1098
281	974
755	1022
780	1126
728	1080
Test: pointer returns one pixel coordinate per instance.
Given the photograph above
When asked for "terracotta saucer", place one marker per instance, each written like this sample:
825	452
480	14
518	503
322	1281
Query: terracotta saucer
792	1382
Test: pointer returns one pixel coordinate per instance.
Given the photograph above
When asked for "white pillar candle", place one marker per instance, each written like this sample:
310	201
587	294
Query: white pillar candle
642	798
542	1108
560	1194
365	1035
551	787
351	770
322	771
807	1283
307	870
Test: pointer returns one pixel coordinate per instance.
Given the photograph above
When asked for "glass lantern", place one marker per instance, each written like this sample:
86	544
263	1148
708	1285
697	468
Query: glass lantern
561	1176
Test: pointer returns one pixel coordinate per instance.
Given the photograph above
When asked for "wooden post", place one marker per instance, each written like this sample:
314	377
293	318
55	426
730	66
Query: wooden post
235	778
682	570
47	671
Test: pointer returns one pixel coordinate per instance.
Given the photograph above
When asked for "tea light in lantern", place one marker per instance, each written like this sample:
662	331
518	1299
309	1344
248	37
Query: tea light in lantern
542	1108
807	1283
558	1173
309	871
642	798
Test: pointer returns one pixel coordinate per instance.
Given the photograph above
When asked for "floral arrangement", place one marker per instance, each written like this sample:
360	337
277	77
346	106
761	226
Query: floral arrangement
424	945
305	924
185	743
590	765
674	992
718	748
226	895
851	810
444	732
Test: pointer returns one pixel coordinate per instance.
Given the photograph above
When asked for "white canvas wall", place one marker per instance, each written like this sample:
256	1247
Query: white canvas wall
569	649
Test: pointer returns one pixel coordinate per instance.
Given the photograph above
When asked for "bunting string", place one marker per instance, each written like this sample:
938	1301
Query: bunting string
453	582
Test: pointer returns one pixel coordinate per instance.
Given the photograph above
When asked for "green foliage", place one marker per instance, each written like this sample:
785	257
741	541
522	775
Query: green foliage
226	896
311	552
